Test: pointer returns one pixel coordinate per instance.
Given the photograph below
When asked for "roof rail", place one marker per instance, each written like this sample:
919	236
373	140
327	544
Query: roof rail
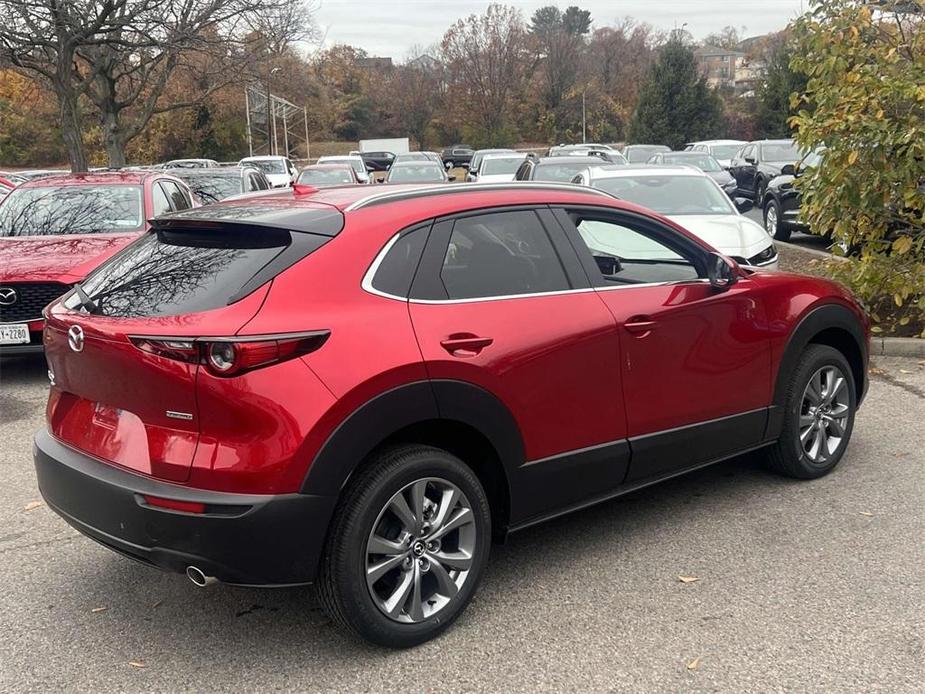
444	189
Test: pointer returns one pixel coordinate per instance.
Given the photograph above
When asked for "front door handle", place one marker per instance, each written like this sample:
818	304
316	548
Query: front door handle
640	325
465	344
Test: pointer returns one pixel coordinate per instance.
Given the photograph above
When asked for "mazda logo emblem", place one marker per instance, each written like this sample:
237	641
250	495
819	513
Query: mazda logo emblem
75	338
8	296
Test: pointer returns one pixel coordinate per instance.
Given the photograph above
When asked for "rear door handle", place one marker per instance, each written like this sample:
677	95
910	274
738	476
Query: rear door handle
639	324
465	344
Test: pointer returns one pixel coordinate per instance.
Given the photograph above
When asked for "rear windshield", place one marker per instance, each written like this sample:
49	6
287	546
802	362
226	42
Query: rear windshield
563	172
414	173
71	209
168	272
325	177
270	166
505	165
213	188
724	151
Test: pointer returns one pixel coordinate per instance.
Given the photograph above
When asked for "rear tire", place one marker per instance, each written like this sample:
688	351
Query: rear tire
818	415
772	221
388	574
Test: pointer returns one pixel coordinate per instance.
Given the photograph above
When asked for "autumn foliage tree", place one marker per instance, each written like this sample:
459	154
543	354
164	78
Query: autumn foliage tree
864	102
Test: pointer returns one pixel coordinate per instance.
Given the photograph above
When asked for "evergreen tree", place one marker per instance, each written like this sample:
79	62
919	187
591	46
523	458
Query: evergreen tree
774	94
675	103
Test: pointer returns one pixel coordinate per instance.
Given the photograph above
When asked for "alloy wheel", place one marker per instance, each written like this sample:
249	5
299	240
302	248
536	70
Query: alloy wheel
824	413
420	550
770	219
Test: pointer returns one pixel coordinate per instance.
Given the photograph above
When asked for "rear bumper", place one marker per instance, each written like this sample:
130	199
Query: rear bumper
241	539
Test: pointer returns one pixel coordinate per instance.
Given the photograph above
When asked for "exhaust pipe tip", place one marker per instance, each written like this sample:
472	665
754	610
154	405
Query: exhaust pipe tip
198	578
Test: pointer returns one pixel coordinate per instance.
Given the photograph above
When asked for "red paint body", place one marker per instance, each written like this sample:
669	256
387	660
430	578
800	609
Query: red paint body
563	364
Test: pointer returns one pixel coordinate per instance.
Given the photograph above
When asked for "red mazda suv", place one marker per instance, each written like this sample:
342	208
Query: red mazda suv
55	230
361	390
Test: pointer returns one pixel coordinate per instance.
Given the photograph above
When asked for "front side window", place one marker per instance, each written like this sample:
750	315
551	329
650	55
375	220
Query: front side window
71	209
625	254
501	254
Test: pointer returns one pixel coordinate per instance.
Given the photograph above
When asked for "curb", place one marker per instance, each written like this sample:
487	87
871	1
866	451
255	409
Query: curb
897	347
811	251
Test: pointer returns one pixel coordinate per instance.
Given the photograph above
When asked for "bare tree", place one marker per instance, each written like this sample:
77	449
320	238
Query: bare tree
486	59
120	54
416	90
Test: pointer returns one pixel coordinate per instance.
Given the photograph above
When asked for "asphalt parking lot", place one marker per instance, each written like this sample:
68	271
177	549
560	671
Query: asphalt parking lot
800	587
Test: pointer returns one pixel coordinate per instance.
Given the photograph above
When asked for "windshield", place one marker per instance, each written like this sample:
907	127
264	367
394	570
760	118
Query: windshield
270	166
325	177
563	172
669	195
416	173
213	188
704	162
780	151
502	165
640	154
72	209
724	151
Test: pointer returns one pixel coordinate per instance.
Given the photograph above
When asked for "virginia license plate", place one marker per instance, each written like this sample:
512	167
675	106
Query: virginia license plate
14	334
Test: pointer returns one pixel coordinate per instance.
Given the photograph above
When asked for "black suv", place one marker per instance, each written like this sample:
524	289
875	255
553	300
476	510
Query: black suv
781	199
758	162
457	155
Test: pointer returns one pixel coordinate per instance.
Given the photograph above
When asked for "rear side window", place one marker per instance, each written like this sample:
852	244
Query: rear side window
160	203
175	272
177	196
396	270
501	254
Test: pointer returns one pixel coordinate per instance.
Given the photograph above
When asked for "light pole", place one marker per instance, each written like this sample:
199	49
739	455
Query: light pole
271	114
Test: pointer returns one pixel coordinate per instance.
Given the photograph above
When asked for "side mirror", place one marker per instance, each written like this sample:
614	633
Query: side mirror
451	178
743	204
751	160
609	265
788	170
722	271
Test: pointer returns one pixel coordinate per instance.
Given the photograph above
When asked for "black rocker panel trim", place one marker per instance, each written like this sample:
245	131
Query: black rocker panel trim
661	453
544	486
813	323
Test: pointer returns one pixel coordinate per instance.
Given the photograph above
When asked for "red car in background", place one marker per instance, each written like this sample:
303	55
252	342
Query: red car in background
6	186
56	230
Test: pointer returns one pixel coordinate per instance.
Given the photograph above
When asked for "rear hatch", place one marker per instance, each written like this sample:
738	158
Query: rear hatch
116	398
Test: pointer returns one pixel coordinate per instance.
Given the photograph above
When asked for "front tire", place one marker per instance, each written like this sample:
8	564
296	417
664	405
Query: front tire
819	415
407	547
772	221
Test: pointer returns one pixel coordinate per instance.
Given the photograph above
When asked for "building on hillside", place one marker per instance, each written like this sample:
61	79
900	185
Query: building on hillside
425	63
725	68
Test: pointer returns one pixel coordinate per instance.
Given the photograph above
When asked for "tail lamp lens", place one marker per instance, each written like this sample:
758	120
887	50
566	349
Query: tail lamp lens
222	357
231	356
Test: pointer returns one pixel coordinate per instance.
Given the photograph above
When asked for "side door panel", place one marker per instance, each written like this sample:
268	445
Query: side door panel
551	357
695	361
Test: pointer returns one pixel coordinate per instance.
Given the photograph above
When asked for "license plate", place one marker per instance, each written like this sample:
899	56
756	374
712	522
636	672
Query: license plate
14	334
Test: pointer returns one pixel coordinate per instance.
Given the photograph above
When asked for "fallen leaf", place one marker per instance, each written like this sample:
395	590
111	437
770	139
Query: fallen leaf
137	663
875	370
694	664
33	504
157	604
688	579
900	455
866	513
99	609
906	371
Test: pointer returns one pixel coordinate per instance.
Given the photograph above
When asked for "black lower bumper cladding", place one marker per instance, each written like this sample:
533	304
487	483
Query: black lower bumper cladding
260	540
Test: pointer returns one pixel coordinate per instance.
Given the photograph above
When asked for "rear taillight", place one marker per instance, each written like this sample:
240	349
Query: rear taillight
233	355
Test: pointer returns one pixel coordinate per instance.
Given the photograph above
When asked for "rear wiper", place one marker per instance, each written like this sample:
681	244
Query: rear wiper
86	302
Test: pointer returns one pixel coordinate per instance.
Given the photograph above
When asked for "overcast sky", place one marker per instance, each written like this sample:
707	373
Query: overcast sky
392	27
